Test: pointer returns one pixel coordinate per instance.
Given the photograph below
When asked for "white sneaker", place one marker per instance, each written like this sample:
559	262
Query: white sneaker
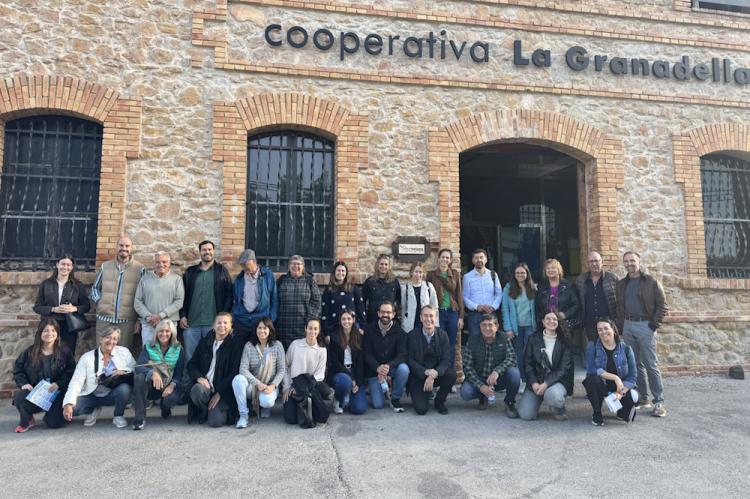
91	418
120	421
242	422
337	408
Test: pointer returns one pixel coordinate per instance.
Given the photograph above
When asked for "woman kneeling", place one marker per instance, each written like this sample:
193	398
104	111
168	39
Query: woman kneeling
549	371
610	371
160	368
346	367
103	377
262	368
46	360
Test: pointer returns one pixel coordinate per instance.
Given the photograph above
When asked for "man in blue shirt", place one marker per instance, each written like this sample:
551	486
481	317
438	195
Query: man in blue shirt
482	291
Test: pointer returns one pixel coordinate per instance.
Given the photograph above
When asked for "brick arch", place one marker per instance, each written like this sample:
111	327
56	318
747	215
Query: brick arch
25	95
688	147
234	121
557	131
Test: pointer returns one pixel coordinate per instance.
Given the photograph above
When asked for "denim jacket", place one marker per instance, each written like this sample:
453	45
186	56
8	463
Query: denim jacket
596	361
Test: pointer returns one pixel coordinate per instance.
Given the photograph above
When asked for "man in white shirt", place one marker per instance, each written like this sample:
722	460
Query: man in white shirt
481	290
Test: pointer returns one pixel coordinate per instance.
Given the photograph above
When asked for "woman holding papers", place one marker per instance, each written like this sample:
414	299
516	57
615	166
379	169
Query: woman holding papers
48	363
610	374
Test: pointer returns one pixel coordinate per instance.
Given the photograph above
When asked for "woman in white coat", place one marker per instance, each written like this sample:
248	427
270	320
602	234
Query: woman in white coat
415	294
103	377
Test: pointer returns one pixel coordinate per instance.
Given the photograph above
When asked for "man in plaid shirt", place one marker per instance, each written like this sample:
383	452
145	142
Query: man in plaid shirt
299	301
489	363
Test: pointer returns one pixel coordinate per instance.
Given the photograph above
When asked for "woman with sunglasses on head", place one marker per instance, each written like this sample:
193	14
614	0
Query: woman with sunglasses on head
60	295
159	373
47	359
381	286
103	377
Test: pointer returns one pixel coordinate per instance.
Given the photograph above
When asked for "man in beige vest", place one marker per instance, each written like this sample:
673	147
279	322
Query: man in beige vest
113	292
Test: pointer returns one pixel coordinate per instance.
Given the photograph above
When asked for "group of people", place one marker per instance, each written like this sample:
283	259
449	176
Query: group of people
253	339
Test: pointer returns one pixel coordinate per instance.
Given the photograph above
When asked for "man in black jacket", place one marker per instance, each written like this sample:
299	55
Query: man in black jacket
208	291
385	350
596	294
429	363
215	363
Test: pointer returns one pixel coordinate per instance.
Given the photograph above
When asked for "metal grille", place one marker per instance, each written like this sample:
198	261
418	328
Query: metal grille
290	199
726	214
49	192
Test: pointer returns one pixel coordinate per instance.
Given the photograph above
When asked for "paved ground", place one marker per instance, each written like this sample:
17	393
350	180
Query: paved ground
702	449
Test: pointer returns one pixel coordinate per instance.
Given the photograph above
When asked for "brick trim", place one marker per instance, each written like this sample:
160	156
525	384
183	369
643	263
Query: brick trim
601	153
234	121
26	95
688	148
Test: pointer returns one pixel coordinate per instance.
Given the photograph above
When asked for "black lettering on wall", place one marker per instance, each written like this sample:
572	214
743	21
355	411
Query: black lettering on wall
518	58
485	50
639	66
373	44
599	61
344	47
681	70
291	38
411	43
270	28
618	66
327	34
577	58
660	69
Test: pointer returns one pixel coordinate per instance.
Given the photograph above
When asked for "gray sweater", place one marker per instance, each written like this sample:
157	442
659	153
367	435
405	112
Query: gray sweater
252	363
159	295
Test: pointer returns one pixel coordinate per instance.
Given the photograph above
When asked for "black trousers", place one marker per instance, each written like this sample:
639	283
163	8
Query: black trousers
289	410
53	418
596	391
419	397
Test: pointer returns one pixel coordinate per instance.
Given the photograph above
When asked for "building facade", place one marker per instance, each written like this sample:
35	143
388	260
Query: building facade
332	129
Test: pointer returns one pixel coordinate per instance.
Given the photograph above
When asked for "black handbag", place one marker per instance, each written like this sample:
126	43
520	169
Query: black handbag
76	321
112	381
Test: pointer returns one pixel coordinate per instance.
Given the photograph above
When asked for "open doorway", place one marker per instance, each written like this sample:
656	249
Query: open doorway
520	202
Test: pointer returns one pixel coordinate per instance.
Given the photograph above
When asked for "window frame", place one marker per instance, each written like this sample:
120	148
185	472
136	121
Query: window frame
55	131
287	142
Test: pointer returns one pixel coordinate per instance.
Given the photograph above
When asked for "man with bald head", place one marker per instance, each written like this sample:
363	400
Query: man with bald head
596	292
113	292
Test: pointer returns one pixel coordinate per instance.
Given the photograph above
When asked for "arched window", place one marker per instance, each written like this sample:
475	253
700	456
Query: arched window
290	199
725	182
49	192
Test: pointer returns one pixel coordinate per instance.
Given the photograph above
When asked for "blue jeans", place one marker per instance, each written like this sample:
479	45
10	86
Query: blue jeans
519	343
244	391
449	323
118	397
508	382
192	336
342	387
400	377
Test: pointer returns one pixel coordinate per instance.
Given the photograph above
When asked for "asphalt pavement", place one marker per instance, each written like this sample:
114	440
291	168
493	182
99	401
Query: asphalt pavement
701	449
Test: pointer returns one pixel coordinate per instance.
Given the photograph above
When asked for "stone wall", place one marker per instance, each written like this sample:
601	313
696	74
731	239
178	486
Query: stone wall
180	60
